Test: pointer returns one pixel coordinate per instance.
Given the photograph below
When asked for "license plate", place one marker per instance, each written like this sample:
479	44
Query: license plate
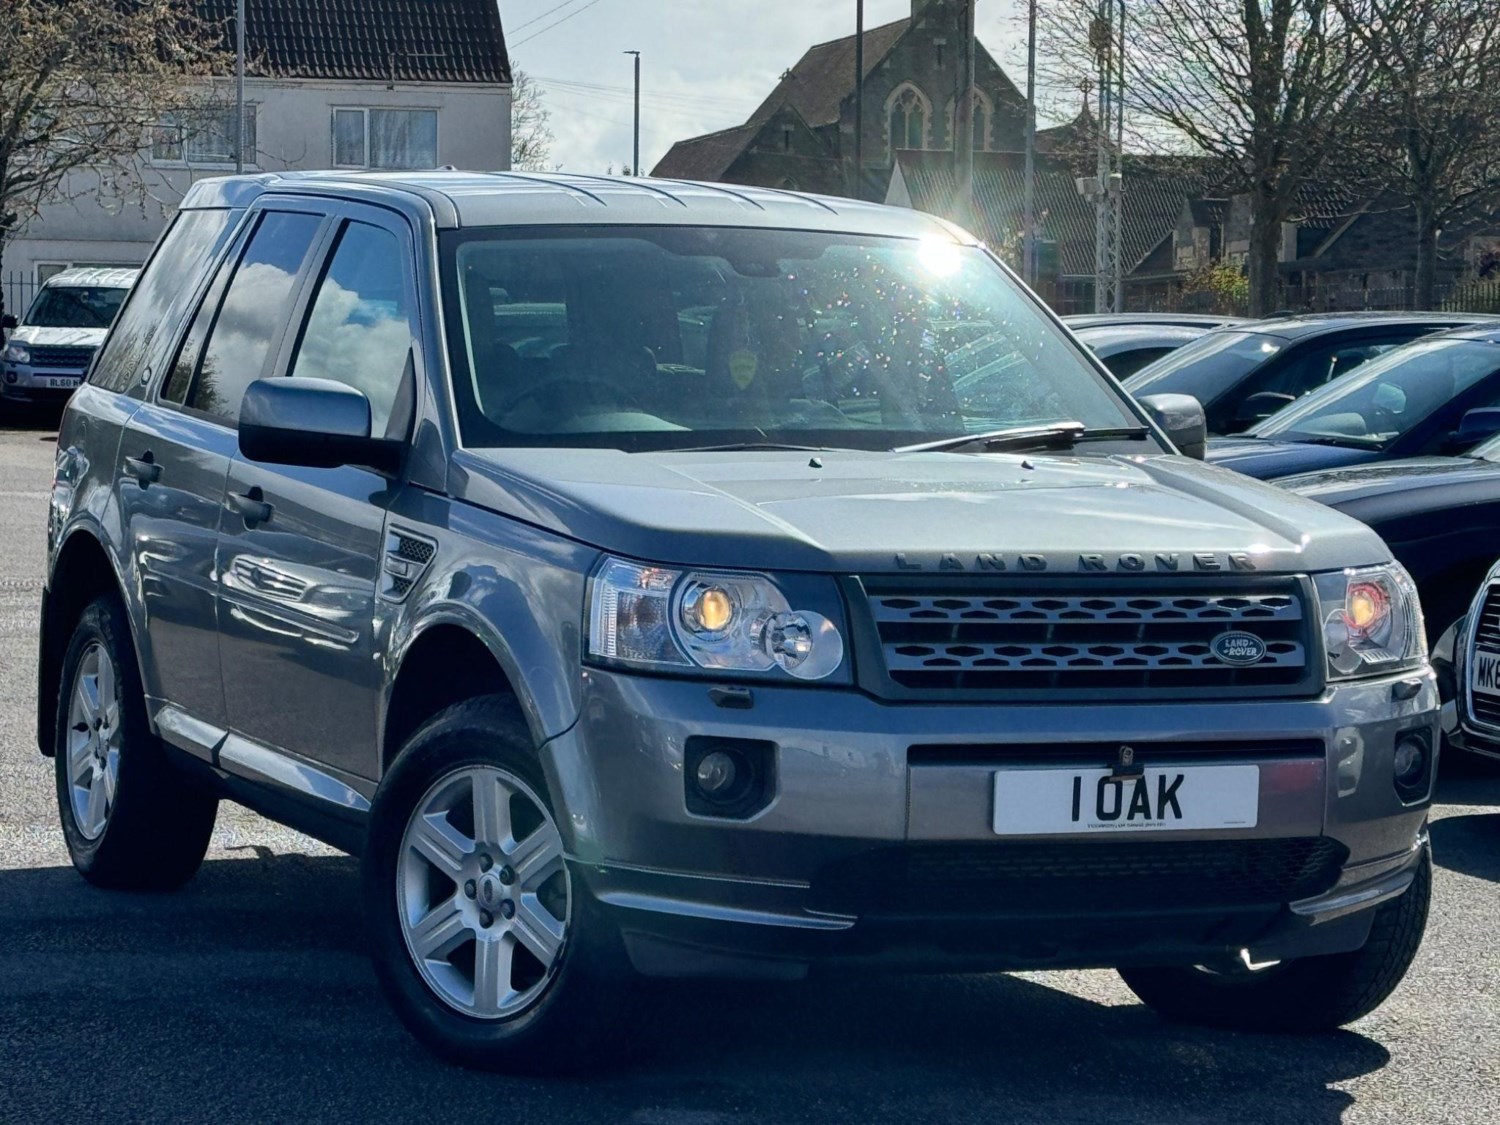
1049	802
62	382
1486	675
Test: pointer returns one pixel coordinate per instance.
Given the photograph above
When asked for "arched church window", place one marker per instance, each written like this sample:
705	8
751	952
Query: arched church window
908	119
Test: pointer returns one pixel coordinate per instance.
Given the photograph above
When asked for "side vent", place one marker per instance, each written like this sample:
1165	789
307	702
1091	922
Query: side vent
407	557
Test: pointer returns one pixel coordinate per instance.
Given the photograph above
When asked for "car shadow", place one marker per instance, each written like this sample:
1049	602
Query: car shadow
1468	844
247	996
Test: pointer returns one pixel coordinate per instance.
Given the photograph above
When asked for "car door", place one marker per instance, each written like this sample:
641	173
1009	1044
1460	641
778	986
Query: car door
175	456
302	550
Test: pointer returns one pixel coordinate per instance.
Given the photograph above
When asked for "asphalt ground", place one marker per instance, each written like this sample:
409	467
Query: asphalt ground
248	997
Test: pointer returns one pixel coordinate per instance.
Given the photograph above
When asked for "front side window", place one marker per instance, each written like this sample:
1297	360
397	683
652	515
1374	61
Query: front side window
389	139
254	312
1387	397
75	306
647	338
359	332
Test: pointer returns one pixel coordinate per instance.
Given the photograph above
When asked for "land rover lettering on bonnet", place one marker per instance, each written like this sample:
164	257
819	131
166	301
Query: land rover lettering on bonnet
644	577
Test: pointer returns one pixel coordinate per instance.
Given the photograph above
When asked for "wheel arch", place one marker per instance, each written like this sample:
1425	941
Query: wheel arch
83	572
449	657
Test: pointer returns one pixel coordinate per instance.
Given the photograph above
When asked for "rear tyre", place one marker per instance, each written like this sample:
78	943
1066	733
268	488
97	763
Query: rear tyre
1308	995
483	941
132	820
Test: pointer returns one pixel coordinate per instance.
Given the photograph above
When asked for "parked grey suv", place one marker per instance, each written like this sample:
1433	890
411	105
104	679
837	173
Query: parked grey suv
703	581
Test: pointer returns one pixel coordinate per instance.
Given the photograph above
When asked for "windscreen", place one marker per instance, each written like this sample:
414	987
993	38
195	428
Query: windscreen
662	338
1208	367
76	306
1388	396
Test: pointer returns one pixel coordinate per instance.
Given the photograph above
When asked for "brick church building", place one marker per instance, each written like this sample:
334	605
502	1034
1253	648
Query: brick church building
802	136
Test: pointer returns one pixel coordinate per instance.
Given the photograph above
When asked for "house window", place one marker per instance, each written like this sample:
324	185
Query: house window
908	119
208	137
393	139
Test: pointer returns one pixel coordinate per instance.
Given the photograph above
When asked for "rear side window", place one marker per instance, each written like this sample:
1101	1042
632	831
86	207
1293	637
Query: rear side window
254	313
161	296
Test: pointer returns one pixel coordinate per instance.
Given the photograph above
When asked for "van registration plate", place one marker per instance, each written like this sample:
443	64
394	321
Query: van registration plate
1050	802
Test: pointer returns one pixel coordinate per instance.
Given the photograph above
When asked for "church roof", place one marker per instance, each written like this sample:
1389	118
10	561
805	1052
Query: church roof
823	78
705	158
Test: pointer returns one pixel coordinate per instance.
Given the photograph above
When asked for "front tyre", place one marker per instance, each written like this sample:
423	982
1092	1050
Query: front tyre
132	820
1308	995
483	941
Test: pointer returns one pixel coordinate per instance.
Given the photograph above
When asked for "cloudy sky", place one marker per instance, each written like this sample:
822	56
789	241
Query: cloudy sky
706	63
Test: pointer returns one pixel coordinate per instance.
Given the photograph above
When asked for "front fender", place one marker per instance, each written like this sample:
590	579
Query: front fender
517	588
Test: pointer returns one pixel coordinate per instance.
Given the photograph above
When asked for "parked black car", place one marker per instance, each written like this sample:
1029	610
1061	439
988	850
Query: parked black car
1245	373
1435	397
1127	348
1440	516
1467	661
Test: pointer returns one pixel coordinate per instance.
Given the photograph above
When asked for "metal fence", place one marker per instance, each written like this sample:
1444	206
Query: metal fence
20	290
1474	296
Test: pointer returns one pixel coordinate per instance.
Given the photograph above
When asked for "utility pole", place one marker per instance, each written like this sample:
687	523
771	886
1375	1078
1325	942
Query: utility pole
1118	181
1028	213
239	87
1105	190
859	99
635	159
964	118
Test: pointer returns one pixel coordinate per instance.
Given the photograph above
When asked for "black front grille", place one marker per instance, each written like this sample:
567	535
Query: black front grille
1094	638
61	358
1486	708
1008	878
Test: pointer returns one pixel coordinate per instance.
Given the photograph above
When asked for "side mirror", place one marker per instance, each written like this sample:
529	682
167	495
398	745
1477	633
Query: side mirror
1181	416
1259	407
9	323
316	423
1476	426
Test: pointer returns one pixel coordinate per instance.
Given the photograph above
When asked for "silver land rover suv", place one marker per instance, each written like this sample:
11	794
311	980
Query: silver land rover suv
648	577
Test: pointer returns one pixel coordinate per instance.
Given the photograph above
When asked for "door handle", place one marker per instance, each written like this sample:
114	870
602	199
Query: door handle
144	468
252	507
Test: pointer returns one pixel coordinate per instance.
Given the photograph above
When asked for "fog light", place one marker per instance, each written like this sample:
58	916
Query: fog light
12	376
728	778
717	774
1411	761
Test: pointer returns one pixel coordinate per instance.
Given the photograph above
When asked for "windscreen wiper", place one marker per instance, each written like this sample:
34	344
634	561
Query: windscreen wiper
1059	435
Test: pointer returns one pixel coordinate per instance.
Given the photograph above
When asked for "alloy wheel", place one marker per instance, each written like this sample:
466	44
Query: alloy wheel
93	741
483	894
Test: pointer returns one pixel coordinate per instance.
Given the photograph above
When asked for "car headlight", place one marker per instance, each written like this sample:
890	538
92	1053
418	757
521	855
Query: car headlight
1372	621
17	353
655	617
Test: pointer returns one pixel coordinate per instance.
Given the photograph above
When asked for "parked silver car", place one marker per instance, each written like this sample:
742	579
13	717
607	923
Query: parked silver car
703	581
45	357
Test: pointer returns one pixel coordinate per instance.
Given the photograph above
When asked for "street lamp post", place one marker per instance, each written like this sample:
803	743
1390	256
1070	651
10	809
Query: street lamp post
239	87
1028	213
635	159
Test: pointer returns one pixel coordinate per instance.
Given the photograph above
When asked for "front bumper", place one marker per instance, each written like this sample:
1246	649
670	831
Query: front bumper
896	801
24	383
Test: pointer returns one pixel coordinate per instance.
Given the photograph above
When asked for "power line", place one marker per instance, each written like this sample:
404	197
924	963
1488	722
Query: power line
550	26
625	91
538	19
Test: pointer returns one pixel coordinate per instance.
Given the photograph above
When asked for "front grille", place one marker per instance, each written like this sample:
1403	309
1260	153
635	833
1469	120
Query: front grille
62	358
1486	708
1031	877
971	637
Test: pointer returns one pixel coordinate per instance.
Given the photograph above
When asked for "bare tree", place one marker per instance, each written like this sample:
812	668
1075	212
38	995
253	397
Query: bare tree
1431	114
82	83
530	125
1263	86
